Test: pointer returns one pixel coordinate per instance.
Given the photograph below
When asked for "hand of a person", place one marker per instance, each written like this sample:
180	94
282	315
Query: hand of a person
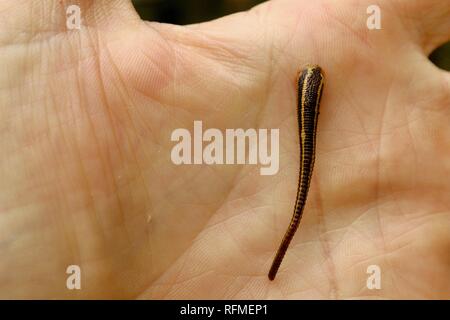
86	176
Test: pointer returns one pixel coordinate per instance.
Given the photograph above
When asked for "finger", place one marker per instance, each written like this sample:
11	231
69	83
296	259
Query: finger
428	20
23	21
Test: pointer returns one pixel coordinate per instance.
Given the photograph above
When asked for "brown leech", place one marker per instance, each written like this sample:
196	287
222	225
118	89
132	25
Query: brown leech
310	83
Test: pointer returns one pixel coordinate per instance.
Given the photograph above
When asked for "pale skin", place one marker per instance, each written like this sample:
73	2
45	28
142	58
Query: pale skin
86	177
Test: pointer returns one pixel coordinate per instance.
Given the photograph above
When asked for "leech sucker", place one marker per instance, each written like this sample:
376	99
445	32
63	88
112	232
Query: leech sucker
310	83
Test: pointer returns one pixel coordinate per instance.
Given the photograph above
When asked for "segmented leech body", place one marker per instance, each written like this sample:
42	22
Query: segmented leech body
310	83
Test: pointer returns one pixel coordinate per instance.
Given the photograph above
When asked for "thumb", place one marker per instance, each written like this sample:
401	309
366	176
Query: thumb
23	21
429	21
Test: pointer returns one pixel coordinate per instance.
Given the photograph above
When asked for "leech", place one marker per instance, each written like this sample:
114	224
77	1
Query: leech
310	83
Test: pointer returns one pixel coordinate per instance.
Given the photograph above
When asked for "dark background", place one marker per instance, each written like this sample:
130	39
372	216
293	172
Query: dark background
189	11
193	11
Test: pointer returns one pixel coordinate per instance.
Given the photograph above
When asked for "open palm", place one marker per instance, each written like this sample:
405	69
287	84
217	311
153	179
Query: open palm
86	176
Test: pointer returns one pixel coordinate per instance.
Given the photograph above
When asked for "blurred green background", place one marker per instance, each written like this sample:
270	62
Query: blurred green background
193	11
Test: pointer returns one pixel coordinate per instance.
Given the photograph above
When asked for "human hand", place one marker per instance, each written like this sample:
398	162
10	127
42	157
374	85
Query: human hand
87	179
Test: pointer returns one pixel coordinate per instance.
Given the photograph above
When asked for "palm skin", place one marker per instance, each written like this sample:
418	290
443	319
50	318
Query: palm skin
86	175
